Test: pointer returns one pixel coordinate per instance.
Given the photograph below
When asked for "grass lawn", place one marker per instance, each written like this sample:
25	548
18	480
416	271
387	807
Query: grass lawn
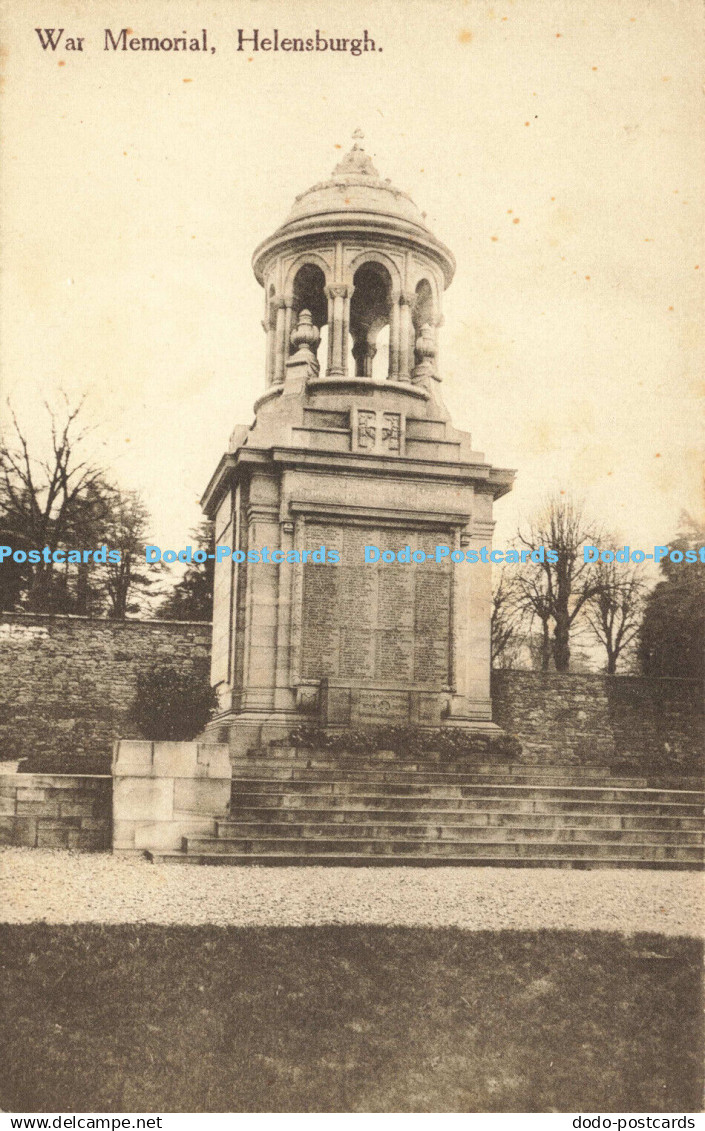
348	1019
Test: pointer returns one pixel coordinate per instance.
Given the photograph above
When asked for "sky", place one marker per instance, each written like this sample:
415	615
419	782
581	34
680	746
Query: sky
557	149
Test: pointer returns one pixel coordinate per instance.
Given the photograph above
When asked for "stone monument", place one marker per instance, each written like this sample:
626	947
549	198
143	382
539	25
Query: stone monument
351	446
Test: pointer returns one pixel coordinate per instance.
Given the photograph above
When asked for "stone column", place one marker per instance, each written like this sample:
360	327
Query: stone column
263	529
338	321
438	322
345	335
331	335
394	327
289	324
269	327
406	336
364	353
472	611
370	355
283	695
282	333
425	354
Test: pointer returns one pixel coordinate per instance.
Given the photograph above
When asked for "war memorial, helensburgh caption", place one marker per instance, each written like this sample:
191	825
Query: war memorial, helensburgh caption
351	445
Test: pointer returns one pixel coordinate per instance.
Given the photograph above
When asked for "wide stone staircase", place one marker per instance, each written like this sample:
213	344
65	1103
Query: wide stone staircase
311	807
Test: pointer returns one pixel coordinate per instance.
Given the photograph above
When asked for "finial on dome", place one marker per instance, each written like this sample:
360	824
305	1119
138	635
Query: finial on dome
356	161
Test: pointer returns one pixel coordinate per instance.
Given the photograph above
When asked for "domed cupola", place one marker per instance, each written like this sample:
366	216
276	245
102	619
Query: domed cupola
356	260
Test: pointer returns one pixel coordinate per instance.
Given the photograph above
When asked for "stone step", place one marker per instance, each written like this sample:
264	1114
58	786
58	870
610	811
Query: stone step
415	775
301	813
324	759
522	800
380	758
470	817
354	860
416	788
445	831
456	770
438	848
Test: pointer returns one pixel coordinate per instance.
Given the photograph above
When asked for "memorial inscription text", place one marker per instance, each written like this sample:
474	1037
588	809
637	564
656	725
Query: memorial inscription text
375	622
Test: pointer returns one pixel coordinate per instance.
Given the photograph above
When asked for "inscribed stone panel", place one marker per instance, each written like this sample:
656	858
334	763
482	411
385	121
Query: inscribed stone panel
384	621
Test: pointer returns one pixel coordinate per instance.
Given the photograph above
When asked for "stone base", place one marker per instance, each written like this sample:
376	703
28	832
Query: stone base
253	730
247	732
164	791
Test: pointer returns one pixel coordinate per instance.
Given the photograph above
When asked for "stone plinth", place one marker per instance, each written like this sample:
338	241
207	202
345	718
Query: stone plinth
164	791
345	642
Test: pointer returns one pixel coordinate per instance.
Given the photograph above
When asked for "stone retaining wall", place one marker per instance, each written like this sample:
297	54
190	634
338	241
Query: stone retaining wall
55	810
598	719
67	683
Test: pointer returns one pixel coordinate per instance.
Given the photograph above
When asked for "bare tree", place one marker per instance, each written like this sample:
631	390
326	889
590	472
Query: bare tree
506	621
534	601
614	612
557	590
52	500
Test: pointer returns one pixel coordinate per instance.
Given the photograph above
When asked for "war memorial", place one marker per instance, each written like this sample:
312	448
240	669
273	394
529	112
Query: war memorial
350	647
351	446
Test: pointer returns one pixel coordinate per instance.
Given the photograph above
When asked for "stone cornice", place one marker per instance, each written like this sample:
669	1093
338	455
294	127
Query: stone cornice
360	225
485	478
389	516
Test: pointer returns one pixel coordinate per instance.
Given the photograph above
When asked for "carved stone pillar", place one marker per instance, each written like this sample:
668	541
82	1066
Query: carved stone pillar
369	359
345	304
364	353
339	318
472	594
288	328
283	694
269	325
437	323
425	354
281	347
331	336
406	336
394	325
359	352
260	628
304	340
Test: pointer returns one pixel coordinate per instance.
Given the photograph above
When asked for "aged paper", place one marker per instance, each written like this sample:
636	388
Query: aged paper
556	148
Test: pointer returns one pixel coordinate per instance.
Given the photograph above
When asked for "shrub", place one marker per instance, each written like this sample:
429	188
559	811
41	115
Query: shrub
406	741
172	705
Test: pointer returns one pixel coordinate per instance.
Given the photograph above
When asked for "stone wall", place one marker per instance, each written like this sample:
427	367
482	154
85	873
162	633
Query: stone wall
598	719
67	683
56	810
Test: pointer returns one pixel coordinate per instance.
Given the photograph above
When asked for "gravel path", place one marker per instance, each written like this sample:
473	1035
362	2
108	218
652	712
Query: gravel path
63	887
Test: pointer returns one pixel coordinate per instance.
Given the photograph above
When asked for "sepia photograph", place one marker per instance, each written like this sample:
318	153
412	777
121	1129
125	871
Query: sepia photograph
352	561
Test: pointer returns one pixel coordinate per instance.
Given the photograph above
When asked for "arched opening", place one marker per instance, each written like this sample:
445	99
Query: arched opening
309	294
423	317
370	308
423	312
